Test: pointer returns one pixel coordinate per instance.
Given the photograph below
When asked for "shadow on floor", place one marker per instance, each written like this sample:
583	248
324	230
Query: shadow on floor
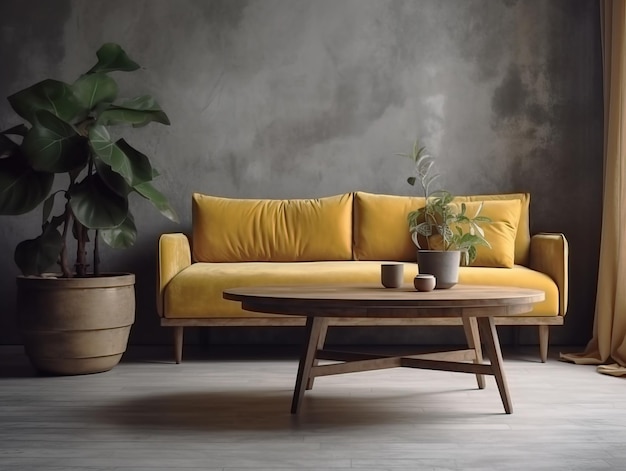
269	410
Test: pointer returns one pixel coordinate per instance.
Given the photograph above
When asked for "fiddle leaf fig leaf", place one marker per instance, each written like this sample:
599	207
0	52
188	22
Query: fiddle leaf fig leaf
21	187
47	207
51	95
121	157
138	112
112	57
7	146
66	132
112	179
141	169
141	103
19	130
35	256
148	191
52	145
122	236
109	152
96	206
93	89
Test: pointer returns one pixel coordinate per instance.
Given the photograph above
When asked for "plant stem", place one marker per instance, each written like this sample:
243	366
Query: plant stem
96	254
433	222
81	265
427	214
83	126
82	236
63	261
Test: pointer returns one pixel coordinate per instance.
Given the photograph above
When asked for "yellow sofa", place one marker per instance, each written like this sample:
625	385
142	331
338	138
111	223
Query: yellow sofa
343	238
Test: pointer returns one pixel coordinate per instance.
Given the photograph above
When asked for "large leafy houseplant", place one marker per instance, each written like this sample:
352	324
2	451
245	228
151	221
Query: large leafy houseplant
443	223
69	132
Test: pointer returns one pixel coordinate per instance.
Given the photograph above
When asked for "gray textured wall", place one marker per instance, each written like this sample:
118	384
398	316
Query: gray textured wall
303	98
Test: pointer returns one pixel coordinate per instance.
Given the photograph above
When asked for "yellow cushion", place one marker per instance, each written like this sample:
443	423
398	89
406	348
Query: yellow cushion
521	277
522	238
196	292
381	230
500	232
242	230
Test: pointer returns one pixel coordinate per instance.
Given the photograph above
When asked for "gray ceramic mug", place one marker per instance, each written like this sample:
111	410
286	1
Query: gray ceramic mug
392	275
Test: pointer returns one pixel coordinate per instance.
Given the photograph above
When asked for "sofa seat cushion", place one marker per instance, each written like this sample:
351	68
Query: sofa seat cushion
519	276
196	292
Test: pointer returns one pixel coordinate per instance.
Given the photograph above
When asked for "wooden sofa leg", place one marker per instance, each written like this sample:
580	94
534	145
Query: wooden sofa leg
178	344
544	332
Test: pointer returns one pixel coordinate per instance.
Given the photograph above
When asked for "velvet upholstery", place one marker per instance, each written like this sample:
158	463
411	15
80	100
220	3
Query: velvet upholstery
312	241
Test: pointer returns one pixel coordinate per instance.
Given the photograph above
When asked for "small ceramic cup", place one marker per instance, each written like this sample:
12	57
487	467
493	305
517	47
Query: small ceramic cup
424	282
392	275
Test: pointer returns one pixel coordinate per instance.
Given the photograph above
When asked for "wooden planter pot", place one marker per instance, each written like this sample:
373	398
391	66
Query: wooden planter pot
73	326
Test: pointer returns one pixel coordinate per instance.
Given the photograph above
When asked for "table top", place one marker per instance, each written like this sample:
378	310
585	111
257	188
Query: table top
375	301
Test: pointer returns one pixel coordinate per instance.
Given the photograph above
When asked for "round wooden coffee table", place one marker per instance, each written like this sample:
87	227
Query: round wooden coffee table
475	305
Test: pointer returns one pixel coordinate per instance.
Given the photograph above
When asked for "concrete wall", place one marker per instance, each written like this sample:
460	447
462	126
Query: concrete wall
302	98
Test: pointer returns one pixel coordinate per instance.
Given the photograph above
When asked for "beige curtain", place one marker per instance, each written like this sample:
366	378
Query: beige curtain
607	348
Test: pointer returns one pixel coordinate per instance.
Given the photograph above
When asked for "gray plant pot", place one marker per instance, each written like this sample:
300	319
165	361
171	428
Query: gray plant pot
443	264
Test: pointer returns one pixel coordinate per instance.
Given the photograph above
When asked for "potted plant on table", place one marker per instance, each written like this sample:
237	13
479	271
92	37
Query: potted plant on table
77	321
449	233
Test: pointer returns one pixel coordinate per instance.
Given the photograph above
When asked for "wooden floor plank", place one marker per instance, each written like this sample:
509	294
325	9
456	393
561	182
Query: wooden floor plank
232	413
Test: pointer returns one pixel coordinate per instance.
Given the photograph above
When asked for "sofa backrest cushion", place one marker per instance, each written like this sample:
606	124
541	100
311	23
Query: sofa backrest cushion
522	237
295	230
381	227
381	230
500	232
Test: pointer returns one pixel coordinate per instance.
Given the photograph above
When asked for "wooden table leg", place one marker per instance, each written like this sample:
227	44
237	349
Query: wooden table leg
314	327
470	325
492	347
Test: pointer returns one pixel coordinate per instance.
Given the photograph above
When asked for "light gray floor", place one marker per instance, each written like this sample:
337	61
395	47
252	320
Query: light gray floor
233	414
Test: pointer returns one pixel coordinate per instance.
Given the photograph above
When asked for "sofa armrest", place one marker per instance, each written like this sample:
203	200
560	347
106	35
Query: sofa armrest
549	254
174	256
